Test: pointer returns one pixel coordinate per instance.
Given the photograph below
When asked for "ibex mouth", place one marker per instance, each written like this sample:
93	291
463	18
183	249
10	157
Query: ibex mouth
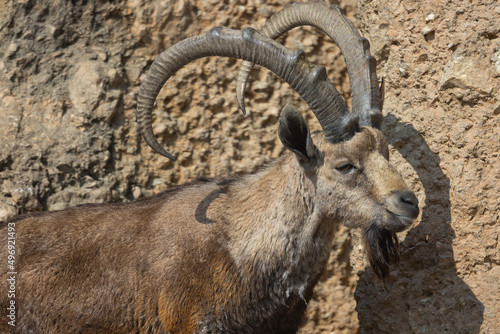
405	220
397	222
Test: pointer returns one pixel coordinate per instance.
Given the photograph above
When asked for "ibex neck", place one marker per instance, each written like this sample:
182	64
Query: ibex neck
277	227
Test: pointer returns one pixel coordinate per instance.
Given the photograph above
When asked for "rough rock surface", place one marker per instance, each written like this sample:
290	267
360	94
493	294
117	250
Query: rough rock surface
69	77
442	106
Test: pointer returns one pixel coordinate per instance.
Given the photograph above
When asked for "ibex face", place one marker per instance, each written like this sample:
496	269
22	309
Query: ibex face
358	186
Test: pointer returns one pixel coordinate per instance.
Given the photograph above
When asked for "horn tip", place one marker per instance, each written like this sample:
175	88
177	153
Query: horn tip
243	110
168	155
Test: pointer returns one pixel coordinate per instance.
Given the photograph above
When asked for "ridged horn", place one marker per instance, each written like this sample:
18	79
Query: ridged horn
310	81
361	66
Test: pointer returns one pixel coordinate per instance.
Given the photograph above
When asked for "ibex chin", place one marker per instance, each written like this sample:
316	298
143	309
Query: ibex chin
239	255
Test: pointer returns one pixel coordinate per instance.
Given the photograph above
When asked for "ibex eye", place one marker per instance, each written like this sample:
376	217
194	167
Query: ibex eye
346	168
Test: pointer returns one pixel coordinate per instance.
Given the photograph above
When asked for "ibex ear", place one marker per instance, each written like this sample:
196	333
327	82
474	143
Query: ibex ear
294	134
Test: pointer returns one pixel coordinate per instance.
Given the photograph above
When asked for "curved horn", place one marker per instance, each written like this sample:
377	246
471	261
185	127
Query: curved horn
361	66
309	80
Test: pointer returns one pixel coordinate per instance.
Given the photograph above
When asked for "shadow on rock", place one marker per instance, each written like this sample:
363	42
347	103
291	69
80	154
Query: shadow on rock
425	293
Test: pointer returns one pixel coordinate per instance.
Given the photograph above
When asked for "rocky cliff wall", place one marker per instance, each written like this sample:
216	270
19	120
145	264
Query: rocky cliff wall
69	77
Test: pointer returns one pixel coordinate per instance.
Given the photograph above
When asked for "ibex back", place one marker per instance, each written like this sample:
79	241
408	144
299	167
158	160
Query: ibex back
239	255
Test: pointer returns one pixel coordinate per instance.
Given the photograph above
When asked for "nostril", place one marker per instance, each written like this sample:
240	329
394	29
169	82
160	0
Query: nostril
409	198
410	201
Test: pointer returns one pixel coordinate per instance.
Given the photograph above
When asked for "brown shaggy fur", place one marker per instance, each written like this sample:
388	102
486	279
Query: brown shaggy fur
232	256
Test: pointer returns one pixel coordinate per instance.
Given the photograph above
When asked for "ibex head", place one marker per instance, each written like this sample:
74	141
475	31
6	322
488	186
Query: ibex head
354	184
347	163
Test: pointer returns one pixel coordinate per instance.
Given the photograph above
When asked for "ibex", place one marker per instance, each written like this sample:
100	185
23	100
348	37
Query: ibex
236	255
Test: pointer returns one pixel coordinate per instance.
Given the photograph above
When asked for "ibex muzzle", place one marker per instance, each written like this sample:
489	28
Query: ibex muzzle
235	255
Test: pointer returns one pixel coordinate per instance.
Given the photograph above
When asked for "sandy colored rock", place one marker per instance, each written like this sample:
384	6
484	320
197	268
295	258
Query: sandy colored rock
6	211
466	73
69	77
